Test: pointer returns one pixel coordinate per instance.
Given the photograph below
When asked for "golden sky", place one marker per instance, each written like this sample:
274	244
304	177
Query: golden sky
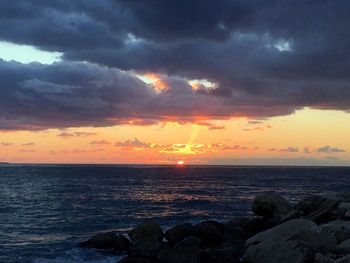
308	137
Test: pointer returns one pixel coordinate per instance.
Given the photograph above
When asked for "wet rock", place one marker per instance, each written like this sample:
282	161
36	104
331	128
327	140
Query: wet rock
319	242
270	204
108	240
338	229
210	232
179	233
318	208
147	230
222	255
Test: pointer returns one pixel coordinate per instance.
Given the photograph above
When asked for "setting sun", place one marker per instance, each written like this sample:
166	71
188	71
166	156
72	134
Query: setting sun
180	162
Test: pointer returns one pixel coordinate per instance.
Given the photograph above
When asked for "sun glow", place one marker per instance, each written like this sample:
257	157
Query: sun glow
181	162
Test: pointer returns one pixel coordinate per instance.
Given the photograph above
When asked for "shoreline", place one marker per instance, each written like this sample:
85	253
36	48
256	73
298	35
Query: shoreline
315	229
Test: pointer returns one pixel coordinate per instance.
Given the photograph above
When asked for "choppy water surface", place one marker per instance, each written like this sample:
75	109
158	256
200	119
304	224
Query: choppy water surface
46	210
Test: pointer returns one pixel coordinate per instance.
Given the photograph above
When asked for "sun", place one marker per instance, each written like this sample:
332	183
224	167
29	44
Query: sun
181	162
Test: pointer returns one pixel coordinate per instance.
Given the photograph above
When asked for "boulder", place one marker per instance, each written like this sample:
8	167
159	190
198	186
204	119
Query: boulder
128	259
146	248
286	251
270	204
344	210
276	245
342	248
282	232
338	229
179	233
186	250
147	230
319	242
222	255
318	208
210	232
108	240
330	258
238	229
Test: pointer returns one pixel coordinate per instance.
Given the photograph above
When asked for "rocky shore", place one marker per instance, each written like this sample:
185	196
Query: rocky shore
316	229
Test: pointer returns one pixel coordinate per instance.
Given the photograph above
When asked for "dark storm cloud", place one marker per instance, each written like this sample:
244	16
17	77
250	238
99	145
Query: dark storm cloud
266	58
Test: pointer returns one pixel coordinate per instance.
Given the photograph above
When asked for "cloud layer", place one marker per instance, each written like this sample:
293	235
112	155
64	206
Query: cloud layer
265	59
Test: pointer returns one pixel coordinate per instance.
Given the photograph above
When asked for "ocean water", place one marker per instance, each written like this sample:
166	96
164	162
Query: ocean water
46	210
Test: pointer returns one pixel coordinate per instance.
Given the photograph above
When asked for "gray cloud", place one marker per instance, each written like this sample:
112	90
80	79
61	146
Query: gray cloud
266	59
329	149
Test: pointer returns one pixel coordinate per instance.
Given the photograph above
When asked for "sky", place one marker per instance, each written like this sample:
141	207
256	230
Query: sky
156	82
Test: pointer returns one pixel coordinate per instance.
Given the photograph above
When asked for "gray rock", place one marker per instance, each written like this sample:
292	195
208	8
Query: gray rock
330	258
318	208
320	258
179	233
276	244
270	204
222	255
147	230
134	260
210	232
186	250
108	240
344	210
342	248
146	248
319	242
339	229
286	251
281	232
238	229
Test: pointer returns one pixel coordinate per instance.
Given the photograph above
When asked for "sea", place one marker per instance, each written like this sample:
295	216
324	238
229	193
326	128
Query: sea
46	210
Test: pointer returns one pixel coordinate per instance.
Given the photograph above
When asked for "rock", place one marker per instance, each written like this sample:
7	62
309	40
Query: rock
338	229
330	258
275	244
134	260
286	251
108	240
318	208
147	230
179	233
281	232
237	229
146	248
223	255
319	242
342	248
344	210
270	204
186	250
210	232
319	258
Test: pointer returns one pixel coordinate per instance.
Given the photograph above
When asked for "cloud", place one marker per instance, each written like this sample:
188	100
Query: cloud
28	144
99	143
290	150
66	135
329	149
6	144
264	59
133	144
